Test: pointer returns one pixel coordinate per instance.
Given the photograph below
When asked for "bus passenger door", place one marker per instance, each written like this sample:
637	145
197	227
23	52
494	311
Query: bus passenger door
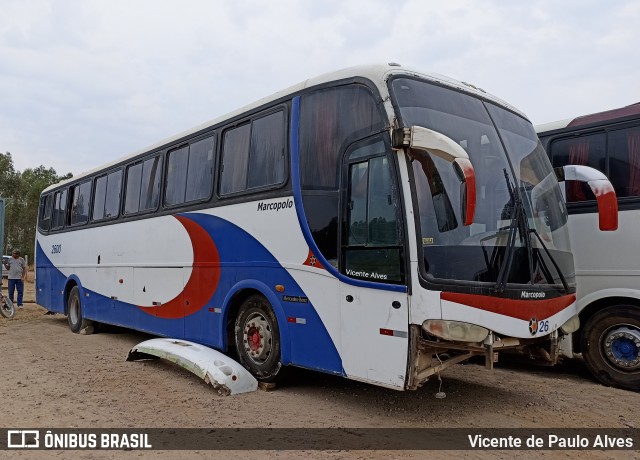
374	317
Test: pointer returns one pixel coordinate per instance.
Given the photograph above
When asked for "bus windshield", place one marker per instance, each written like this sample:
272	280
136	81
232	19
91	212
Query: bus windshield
519	234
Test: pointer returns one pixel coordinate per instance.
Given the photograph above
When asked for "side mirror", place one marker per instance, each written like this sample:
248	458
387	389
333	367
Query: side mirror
435	143
601	188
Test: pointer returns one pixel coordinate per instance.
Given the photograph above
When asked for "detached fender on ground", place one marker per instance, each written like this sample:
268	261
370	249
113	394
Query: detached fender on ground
223	373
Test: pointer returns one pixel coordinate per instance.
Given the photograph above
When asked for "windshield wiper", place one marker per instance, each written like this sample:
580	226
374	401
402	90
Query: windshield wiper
553	260
517	220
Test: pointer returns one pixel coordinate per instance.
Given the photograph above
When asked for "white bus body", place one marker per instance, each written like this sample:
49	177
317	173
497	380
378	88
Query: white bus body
376	223
607	264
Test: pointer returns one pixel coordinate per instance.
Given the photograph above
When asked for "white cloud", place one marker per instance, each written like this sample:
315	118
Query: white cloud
83	82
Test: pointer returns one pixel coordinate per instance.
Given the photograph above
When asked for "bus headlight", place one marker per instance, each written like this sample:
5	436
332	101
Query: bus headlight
571	325
455	330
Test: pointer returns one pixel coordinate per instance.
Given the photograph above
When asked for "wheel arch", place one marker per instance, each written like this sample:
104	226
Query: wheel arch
594	307
231	305
72	281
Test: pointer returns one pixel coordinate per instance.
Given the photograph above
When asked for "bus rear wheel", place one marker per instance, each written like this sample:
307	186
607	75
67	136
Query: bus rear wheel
75	316
611	346
257	339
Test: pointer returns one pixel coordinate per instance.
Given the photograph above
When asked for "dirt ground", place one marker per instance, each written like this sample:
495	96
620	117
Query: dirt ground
54	378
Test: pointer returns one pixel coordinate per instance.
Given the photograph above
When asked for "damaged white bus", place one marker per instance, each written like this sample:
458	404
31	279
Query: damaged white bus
377	223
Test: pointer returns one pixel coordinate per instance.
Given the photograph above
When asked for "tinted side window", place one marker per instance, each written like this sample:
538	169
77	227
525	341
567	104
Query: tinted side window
176	176
59	209
80	195
373	248
616	153
253	154
106	200
624	161
329	120
235	159
587	150
44	220
200	170
143	185
132	197
190	172
266	157
99	192
382	218
112	200
150	186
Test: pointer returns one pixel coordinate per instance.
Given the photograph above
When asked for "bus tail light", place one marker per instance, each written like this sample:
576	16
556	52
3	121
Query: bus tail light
455	330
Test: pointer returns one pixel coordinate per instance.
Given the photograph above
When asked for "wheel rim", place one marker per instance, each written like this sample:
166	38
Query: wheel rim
7	308
621	347
74	310
257	338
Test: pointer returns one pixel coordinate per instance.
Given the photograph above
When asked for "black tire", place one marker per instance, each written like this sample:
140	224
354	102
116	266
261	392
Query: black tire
257	339
7	308
75	315
611	346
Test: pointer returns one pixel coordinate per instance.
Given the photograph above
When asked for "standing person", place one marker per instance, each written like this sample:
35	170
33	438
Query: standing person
17	275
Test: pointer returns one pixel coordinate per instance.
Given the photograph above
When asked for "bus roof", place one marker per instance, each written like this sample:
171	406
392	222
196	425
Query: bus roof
378	74
594	118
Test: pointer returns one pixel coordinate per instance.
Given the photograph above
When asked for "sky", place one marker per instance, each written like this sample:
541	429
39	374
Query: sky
84	82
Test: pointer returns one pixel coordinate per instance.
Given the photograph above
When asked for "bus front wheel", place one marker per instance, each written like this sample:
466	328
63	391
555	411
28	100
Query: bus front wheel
75	316
257	339
611	346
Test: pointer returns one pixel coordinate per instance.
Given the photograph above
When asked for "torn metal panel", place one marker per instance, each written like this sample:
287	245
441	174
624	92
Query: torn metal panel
224	374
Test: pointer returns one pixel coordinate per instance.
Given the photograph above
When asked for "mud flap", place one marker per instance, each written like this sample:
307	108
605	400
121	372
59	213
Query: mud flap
225	375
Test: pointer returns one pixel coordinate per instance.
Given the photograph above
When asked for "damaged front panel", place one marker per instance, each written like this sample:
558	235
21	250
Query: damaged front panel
224	374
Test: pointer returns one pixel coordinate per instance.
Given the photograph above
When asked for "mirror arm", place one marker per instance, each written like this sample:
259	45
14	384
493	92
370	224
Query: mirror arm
438	144
601	188
467	175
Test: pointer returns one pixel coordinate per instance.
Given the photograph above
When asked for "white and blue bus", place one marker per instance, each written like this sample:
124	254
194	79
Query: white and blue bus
607	265
376	223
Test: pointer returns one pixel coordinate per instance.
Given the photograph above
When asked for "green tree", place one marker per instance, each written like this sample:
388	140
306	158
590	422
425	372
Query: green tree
22	192
8	177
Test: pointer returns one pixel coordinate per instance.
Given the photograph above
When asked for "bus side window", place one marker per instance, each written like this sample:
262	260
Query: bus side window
266	158
624	161
106	200
588	150
235	159
373	248
59	209
253	154
330	119
620	162
177	165
200	170
150	185
79	210
45	212
132	194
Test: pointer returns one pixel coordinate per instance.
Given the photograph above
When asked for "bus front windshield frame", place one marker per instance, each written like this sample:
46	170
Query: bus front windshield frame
519	237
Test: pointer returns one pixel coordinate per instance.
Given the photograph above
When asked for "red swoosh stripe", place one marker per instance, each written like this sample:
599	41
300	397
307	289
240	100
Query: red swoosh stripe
515	308
204	278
